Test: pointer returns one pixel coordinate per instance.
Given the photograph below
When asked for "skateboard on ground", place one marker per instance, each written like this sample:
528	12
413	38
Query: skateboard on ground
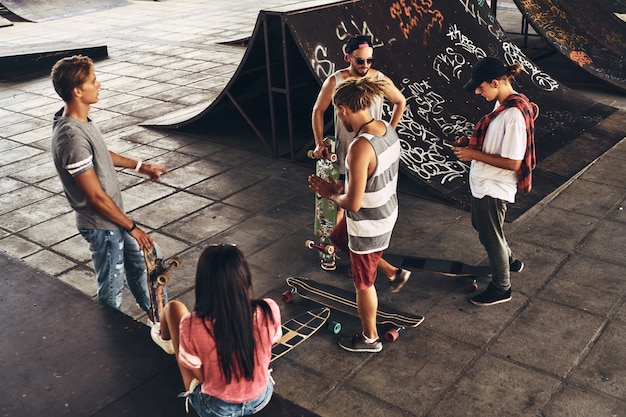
325	210
300	328
158	271
443	267
345	301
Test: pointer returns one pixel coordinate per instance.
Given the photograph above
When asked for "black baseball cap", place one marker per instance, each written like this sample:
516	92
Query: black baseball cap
356	42
486	69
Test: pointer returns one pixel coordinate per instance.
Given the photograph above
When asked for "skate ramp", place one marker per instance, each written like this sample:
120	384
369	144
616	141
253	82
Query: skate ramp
427	49
42	10
591	35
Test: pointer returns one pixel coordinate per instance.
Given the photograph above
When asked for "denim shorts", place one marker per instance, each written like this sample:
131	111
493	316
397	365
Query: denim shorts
117	258
207	406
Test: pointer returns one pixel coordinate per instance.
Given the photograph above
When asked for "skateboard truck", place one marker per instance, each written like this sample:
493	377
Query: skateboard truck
322	247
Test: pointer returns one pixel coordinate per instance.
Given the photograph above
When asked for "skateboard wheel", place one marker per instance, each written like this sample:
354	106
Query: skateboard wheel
334	327
310	154
329	249
287	297
309	244
175	262
333	157
162	279
392	335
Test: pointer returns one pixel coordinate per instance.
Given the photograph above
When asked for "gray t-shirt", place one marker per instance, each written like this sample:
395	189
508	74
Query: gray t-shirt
76	148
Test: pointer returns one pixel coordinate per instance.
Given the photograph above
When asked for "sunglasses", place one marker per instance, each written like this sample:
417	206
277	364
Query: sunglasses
361	61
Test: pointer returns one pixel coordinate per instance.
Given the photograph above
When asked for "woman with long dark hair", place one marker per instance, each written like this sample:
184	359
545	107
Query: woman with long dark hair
224	345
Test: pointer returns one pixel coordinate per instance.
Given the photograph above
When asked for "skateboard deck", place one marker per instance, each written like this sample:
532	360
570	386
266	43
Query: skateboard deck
439	266
158	273
299	329
345	301
325	210
443	267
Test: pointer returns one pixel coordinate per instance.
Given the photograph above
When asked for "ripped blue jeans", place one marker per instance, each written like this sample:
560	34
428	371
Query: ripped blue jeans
117	258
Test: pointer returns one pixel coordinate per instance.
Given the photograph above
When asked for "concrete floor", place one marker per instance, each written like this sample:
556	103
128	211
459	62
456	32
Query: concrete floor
556	349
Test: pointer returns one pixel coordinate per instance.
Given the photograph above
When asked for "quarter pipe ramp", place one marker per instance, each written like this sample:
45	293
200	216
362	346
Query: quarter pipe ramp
42	10
427	47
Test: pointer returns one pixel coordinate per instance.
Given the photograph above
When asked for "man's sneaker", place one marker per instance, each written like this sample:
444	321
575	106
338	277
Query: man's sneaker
402	276
516	266
357	343
166	345
492	295
328	266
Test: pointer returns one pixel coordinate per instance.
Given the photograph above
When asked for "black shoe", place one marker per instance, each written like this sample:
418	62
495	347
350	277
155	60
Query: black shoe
492	295
516	266
402	276
357	343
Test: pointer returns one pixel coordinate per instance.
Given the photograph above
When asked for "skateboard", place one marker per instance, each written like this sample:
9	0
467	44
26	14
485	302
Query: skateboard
325	210
443	267
345	301
158	271
300	328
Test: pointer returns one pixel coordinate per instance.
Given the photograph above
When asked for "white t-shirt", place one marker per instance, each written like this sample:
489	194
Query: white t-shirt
505	136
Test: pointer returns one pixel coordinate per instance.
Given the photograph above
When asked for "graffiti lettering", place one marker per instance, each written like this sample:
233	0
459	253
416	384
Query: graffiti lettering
344	31
470	8
513	54
321	66
451	59
412	13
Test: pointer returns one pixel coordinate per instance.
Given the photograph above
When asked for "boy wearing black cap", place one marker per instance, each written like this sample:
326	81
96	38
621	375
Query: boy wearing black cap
502	155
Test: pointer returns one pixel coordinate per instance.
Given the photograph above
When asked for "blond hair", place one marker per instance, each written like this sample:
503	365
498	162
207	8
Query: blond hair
358	93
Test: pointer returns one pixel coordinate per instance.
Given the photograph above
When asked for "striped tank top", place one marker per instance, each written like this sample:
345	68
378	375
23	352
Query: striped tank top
369	229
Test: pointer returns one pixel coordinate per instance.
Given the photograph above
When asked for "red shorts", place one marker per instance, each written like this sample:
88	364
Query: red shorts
364	266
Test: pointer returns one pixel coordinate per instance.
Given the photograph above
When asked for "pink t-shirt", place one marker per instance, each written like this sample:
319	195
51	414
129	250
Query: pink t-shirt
197	348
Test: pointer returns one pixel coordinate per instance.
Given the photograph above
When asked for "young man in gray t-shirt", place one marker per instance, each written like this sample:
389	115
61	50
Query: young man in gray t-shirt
87	171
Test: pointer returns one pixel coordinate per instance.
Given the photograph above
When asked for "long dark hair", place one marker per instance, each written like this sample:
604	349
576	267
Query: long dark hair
223	296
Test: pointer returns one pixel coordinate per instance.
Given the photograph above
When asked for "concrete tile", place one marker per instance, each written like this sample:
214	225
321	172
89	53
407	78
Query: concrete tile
144	193
543	328
20	198
193	173
205	223
266	194
49	262
587	284
18	154
53	231
18	247
601	369
557	229
589	198
37	173
607	231
6	144
35	213
75	248
8	185
169	209
577	401
611	171
497	387
421	362
82	278
224	184
52	185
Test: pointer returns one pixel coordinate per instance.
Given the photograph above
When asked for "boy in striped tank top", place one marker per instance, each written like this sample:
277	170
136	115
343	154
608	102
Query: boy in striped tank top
369	197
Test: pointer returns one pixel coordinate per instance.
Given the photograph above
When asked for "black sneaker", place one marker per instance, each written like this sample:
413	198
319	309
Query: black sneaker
516	266
402	276
357	343
492	295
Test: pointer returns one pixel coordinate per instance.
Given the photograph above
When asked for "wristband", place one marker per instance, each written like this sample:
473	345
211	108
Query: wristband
133	227
138	166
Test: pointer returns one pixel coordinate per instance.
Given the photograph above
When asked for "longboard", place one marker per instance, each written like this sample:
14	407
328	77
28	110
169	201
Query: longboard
345	301
443	267
158	274
298	329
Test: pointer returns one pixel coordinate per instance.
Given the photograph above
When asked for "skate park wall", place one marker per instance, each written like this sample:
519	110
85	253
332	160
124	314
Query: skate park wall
589	34
427	48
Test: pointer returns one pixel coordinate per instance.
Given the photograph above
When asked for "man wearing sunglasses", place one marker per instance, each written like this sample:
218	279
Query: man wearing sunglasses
359	54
